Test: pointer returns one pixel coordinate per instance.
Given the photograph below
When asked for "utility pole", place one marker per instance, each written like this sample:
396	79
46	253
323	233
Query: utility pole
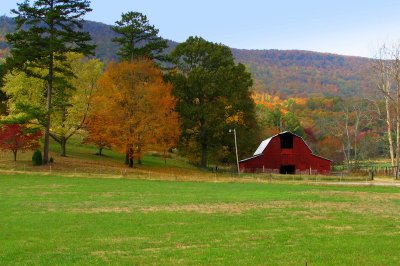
237	158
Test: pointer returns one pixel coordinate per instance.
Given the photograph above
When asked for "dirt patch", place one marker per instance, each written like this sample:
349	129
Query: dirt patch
183	246
122	239
339	228
169	224
363	196
312	214
390	210
51	186
104	255
313	210
100	254
46	193
100	210
235	208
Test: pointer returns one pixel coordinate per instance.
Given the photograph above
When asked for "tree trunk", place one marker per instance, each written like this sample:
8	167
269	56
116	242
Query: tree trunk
127	157
15	155
397	130
100	151
48	100
345	156
396	74
389	129
355	159
63	145
203	141
130	156
357	122
139	154
47	127
347	150
203	163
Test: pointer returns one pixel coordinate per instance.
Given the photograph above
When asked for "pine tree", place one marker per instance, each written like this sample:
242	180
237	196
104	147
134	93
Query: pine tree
46	31
3	96
138	39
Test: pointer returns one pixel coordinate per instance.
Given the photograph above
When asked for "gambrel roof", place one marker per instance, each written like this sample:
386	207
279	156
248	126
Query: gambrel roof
263	145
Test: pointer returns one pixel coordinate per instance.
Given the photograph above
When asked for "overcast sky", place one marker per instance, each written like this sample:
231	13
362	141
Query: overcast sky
349	27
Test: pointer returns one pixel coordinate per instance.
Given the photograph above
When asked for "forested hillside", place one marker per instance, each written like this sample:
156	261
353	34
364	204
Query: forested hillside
305	73
277	72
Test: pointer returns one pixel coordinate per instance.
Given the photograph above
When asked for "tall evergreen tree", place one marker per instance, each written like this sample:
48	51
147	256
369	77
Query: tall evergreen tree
213	96
3	96
46	31
138	39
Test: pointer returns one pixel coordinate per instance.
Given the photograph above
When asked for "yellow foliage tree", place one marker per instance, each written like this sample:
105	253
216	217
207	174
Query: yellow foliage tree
71	101
72	105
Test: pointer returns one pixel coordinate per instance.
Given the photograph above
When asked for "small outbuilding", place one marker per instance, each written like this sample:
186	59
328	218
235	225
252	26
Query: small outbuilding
285	153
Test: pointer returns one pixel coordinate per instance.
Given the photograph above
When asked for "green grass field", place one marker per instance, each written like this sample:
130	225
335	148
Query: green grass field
55	220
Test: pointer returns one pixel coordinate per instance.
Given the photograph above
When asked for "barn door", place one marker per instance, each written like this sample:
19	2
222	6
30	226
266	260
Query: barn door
287	170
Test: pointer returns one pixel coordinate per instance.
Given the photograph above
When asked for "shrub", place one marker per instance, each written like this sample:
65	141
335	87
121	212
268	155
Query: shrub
37	158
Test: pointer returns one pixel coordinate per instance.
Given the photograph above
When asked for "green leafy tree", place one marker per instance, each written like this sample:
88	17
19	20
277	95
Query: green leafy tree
213	95
71	104
46	31
138	39
279	121
275	118
292	123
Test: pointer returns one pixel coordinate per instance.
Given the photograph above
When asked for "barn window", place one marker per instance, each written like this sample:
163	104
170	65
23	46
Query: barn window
286	141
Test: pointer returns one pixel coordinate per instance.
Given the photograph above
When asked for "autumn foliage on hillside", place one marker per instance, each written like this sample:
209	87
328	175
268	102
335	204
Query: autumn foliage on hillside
307	74
341	130
277	72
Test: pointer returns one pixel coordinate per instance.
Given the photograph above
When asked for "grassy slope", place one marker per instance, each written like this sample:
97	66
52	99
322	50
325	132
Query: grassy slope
82	159
56	220
77	150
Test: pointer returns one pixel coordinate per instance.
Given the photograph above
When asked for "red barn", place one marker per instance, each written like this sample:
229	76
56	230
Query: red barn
285	153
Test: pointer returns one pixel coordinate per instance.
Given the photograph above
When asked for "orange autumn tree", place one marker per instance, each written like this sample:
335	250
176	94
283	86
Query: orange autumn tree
136	109
99	135
168	130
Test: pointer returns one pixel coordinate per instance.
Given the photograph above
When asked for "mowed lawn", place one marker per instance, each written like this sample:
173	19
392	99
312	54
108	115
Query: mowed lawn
53	220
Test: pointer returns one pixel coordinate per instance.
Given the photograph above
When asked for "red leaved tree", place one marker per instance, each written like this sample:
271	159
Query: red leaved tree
17	137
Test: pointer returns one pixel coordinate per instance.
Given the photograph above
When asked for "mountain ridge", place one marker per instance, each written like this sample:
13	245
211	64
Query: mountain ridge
287	73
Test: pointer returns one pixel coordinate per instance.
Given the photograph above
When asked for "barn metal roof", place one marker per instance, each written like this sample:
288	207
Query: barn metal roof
254	156
262	146
265	143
